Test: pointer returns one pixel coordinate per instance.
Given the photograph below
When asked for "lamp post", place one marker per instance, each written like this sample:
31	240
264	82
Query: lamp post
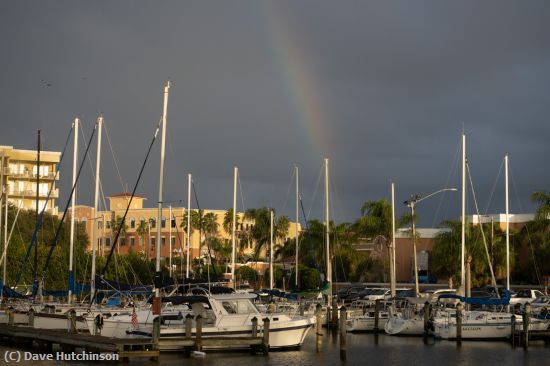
411	203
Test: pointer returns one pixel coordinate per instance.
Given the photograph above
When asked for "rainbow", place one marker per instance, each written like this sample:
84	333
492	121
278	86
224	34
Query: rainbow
300	83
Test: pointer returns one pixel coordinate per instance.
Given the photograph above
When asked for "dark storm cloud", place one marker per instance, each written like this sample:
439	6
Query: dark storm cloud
397	81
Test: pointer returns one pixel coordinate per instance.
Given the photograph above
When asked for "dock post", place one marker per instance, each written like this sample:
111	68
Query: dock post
376	316
198	332
156	332
254	327
513	331
11	316
318	326
334	312
31	318
72	321
265	344
188	325
526	319
459	324
98	324
343	333
426	319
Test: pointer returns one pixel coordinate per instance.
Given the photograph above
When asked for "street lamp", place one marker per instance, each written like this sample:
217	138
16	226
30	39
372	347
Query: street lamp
411	203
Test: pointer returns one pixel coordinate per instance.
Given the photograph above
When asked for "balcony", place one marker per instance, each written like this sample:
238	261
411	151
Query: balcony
29	193
27	174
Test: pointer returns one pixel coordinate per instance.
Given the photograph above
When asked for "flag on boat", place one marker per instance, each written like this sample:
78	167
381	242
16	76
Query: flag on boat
134	320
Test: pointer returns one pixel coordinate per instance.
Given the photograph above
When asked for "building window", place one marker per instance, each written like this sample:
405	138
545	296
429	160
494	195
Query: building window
132	241
163	241
107	242
122	242
173	222
83	220
100	224
163	222
99	242
132	223
153	242
152	223
173	242
108	224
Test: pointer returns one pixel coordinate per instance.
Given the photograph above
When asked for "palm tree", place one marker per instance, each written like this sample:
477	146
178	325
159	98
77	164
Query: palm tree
445	256
543	199
261	230
118	224
376	219
141	230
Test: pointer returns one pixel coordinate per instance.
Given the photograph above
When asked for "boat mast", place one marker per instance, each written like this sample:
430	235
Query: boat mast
96	204
271	249
297	223
235	173
170	238
189	180
1	205
156	300
35	273
327	221
392	252
507	225
73	204
463	232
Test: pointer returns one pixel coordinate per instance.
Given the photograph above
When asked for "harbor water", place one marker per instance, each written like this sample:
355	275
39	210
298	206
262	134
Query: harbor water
363	349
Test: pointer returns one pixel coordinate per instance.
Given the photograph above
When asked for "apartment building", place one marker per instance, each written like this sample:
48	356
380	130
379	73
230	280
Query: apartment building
20	174
173	234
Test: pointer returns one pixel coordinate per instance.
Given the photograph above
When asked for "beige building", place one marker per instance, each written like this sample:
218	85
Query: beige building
19	178
172	230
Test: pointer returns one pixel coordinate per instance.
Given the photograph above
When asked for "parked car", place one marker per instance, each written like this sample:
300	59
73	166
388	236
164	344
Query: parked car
432	295
347	294
377	294
524	296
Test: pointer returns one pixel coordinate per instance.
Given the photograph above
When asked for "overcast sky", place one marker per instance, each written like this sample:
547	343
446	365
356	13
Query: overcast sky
382	88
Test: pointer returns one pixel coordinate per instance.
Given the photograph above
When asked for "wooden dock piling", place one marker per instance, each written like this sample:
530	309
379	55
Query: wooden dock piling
343	334
31	318
156	332
513	331
318	326
265	343
72	321
198	332
459	324
11	316
525	326
188	325
426	319
334	312
254	326
376	316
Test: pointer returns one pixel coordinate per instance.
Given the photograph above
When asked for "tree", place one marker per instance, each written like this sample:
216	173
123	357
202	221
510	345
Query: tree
446	253
142	229
376	219
245	273
261	230
119	225
543	200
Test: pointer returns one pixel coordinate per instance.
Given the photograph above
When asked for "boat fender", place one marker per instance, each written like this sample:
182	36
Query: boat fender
198	354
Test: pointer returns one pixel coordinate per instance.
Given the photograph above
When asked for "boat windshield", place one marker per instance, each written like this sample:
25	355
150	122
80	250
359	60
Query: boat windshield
242	306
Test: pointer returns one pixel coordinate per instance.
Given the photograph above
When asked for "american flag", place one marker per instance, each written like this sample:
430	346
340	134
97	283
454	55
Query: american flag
134	320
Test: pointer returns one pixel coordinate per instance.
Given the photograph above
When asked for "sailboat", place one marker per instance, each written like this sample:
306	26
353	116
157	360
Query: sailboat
483	324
